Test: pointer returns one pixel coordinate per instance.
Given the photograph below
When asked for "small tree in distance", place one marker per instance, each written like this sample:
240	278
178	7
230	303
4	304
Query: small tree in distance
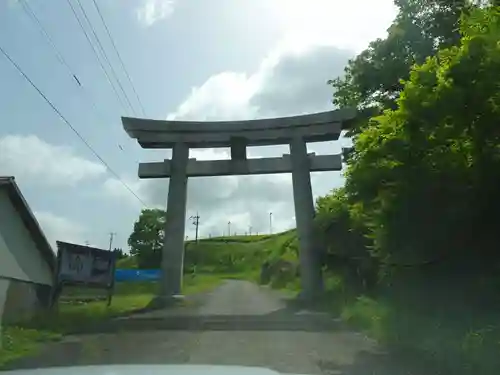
146	240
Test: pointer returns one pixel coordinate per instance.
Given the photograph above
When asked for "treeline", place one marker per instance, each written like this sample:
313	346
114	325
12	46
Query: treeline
423	179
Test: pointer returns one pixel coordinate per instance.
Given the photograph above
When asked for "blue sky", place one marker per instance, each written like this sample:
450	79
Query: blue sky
188	59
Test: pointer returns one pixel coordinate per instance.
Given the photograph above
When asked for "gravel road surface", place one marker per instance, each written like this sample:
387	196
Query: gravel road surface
238	323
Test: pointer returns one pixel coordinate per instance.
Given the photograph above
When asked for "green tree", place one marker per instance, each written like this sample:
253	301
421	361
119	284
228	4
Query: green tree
146	240
427	172
338	228
374	78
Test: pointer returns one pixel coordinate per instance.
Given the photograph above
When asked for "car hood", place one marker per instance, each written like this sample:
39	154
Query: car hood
147	369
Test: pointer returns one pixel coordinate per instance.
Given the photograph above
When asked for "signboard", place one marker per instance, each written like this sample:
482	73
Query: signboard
84	265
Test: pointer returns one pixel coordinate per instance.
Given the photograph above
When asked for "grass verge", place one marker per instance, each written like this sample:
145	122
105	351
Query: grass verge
24	337
451	338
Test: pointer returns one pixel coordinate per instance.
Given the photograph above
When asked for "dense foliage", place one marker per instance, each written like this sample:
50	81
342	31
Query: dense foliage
419	210
423	181
373	79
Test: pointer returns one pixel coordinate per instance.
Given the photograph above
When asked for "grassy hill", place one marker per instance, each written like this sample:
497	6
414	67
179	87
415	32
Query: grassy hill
240	255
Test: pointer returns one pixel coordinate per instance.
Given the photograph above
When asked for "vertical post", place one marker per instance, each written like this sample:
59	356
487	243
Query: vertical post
310	270
197	224
111	286
175	223
111	235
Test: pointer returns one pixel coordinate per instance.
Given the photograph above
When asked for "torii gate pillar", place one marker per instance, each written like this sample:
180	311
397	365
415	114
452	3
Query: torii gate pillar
310	268
173	245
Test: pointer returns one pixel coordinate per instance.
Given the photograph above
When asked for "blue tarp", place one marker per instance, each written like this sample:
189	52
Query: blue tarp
136	275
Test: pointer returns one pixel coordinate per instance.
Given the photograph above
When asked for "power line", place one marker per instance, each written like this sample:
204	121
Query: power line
103	51
75	14
54	108
119	57
32	15
29	11
50	41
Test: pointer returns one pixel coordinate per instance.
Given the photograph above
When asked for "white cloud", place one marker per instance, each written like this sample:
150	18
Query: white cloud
233	93
152	11
29	157
116	188
57	228
346	24
287	82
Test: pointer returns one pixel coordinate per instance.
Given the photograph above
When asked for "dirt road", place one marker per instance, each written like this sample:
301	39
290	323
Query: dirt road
238	323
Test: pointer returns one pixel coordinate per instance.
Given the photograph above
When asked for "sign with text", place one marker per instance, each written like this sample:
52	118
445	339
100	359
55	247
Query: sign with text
80	264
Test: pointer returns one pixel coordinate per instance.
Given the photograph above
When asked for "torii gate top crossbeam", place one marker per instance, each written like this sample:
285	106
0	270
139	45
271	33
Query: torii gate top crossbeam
324	126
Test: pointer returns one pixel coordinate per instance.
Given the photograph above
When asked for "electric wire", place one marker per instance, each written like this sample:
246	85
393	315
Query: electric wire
50	41
96	54
105	55
119	57
68	123
32	15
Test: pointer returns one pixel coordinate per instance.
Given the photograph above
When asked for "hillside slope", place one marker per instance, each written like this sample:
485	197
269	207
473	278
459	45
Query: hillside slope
241	255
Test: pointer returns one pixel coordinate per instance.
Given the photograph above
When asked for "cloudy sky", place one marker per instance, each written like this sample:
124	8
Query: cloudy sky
188	59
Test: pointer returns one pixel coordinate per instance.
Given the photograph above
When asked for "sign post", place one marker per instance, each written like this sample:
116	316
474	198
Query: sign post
85	266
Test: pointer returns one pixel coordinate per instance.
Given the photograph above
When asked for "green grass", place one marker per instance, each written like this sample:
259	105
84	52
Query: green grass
24	337
234	255
127	263
463	339
18	342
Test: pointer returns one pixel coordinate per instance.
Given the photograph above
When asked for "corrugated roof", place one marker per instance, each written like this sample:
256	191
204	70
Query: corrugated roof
29	220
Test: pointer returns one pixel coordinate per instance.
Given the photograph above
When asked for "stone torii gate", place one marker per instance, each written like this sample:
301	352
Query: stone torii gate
180	136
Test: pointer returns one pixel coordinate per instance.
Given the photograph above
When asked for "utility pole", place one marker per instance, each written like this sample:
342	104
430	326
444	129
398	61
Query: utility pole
196	223
111	236
250	230
270	223
229	228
